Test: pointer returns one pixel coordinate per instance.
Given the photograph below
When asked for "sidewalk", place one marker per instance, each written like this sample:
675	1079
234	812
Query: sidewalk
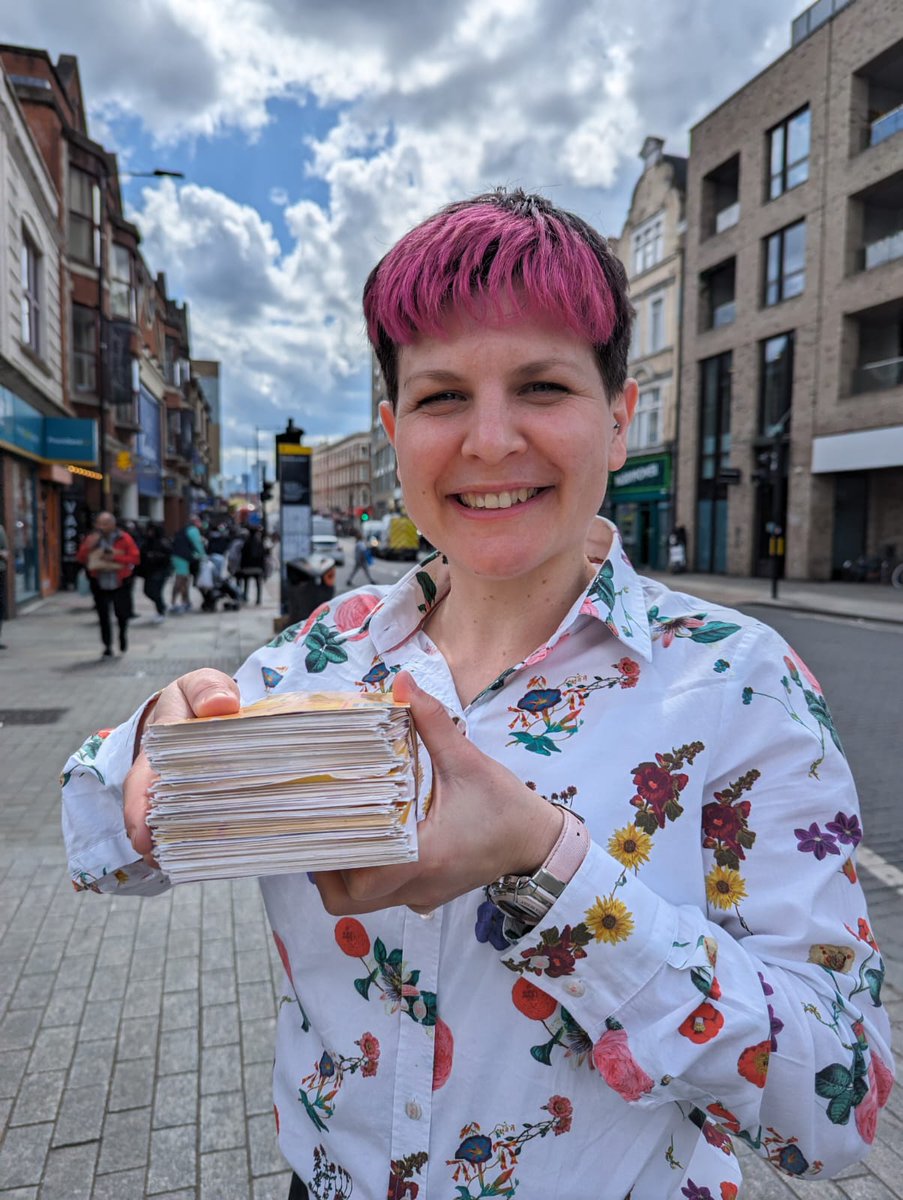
136	1035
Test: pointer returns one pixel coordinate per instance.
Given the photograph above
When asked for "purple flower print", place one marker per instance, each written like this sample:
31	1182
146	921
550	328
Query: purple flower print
766	986
694	1192
846	828
489	926
813	841
776	1027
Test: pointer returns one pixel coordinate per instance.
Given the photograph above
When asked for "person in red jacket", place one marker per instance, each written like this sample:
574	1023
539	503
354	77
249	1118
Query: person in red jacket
109	556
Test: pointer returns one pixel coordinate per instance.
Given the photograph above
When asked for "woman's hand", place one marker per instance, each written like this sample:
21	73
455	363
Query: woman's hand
205	693
483	822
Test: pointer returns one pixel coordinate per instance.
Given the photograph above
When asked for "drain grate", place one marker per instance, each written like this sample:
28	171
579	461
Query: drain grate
31	716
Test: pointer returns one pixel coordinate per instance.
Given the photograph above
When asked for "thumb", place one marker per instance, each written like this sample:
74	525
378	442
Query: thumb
436	728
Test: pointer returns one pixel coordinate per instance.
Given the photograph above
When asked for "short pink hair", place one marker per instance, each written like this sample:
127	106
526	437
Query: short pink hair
497	250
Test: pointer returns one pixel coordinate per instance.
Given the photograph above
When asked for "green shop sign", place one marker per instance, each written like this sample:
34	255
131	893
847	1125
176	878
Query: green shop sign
647	476
57	439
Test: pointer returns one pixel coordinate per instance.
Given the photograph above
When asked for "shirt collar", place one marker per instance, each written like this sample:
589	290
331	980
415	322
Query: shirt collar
615	597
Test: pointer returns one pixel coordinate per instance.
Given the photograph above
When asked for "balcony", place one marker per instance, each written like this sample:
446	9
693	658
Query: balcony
873	348
889	248
813	18
878	376
721	198
877	100
886	126
717	296
875	225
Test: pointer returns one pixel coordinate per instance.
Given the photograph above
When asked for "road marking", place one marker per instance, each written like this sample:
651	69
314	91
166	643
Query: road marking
882	870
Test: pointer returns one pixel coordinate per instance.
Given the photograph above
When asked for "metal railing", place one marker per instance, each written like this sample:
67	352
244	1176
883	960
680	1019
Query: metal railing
727	217
886	126
724	314
814	17
885	250
877	376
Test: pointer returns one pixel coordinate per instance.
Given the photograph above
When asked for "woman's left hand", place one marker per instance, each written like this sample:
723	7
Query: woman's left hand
483	822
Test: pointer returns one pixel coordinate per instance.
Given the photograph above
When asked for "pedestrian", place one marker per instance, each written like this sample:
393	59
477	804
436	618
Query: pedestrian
634	928
187	551
155	567
677	550
109	556
361	558
253	562
4	560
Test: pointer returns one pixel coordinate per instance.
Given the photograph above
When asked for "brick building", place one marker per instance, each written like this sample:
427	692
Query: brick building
385	490
639	496
792	377
341	476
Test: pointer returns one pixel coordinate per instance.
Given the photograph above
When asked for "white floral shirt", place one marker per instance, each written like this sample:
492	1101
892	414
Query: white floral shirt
709	973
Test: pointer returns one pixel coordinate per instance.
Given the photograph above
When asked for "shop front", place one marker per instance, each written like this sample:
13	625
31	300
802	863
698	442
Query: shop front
639	502
149	457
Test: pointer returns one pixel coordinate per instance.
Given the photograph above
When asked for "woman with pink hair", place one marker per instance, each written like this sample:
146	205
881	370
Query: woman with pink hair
634	930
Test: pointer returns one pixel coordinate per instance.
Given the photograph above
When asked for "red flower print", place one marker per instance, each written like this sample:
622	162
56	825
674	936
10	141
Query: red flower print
630	671
884	1080
617	1066
443	1054
724	1116
702	1024
353	612
369	1045
352	938
729	1191
717	1137
849	869
283	954
753	1062
722	822
715	989
653	784
532	1001
562	1110
797	667
865	934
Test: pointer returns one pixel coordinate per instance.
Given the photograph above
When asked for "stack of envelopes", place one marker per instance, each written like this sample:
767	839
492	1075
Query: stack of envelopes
297	782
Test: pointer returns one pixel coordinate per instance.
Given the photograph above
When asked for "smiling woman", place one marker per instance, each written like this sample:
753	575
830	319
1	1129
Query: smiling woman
695	944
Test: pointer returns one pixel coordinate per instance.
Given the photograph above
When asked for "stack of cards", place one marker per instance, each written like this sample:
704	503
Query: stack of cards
297	782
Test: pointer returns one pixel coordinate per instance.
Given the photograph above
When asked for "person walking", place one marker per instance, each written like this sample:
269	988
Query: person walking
361	559
109	555
4	559
155	567
253	562
187	551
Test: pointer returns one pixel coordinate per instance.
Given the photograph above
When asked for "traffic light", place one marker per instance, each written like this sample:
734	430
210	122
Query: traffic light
365	516
266	492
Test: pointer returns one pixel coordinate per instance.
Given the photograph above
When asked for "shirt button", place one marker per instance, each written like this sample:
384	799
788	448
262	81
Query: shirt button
427	916
413	1110
574	987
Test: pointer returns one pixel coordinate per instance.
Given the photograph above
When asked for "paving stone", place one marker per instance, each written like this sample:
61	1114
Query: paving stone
18	1029
178	1052
252	965
81	1115
69	1173
114	951
137	1038
12	1068
53	1048
100	1020
220	1025
65	1006
275	1187
180	974
109	983
142	998
266	1158
184	943
257	1039
224	1176
123	1185
19	1194
43	958
133	1084
124	1140
173	1160
868	1188
218	987
220	1069
32	991
23	1154
256	1000
258	1087
176	1100
38	1098
180	1010
149	962
217	954
92	1063
222	1121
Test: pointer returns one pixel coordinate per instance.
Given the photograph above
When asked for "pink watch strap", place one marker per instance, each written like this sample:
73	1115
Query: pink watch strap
570	850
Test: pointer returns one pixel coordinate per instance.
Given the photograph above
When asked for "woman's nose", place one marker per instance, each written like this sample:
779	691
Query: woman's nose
493	431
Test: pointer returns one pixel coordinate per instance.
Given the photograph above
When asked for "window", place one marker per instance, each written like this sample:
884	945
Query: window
122	293
785	263
789	153
636	340
656	324
648	244
717	296
31	296
646	427
84	217
714	455
84	348
776	385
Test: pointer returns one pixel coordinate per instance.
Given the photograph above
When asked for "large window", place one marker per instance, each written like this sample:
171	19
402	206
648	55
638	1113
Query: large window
776	376
789	154
122	291
31	294
647	243
84	217
84	348
785	263
714	456
656	324
646	427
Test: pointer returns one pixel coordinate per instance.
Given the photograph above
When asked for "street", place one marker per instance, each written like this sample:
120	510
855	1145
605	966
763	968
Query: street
136	1035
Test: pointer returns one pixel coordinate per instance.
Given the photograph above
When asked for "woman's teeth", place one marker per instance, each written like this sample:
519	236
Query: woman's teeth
496	499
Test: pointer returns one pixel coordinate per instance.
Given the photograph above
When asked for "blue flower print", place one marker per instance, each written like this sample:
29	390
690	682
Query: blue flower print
721	665
489	926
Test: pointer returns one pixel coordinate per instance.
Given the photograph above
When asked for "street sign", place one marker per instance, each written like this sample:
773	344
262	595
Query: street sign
293	470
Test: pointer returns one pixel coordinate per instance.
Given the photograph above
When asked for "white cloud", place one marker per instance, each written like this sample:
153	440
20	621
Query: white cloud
437	100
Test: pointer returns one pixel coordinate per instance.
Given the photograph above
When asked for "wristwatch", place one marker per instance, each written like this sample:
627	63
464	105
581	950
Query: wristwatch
525	899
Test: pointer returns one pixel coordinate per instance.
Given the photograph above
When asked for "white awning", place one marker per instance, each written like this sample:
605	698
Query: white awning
863	451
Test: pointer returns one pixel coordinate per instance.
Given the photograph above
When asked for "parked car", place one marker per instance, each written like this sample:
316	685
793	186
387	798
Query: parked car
325	541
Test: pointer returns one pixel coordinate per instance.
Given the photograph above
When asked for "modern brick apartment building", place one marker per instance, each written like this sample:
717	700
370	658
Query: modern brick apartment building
341	476
792	376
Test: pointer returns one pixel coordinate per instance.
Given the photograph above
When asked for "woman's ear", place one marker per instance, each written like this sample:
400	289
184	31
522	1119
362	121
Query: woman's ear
387	416
621	415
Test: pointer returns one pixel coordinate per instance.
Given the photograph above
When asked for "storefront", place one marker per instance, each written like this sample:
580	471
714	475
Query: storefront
639	502
149	457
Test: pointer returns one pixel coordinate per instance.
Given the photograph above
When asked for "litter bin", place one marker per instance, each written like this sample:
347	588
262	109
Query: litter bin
309	582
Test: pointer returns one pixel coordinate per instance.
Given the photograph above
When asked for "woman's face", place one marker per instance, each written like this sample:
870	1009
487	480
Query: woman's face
504	438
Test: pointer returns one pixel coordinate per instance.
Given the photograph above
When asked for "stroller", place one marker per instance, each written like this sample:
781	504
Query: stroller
214	584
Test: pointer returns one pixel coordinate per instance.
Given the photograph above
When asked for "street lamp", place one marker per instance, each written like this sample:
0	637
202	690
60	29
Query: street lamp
157	173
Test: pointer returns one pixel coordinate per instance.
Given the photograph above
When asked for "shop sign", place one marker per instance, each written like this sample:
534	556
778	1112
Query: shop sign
149	445
70	439
21	426
651	474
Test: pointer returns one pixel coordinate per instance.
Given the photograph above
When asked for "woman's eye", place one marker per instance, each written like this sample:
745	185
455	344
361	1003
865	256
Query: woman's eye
440	398
544	386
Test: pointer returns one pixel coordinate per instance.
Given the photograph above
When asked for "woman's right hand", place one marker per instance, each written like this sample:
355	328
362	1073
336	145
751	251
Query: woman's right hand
204	693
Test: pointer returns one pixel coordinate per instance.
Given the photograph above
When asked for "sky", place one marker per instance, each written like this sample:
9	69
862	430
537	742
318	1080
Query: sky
312	134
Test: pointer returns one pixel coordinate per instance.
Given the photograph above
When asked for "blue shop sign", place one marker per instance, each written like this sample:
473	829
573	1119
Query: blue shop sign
149	446
70	440
21	426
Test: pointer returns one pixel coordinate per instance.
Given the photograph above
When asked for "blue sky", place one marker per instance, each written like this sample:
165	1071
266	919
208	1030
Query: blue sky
312	135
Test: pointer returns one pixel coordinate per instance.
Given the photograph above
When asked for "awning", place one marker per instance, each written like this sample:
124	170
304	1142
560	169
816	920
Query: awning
866	450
